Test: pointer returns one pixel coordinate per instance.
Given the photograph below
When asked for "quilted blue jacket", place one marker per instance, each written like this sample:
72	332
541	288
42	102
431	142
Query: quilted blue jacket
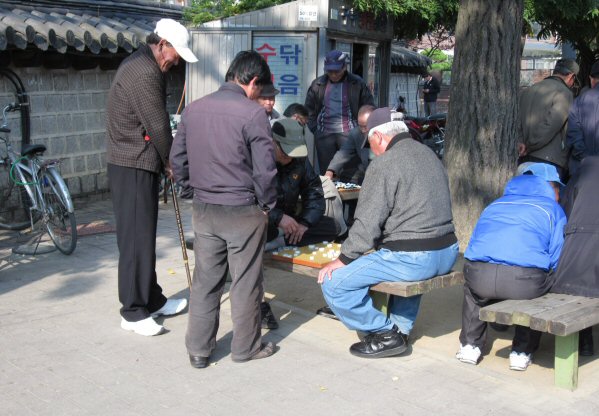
525	227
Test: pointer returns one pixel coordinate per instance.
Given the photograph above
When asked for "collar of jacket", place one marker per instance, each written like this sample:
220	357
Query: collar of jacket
556	78
232	86
147	51
351	78
398	138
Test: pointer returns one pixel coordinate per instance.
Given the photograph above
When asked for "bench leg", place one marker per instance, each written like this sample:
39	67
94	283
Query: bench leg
566	361
380	300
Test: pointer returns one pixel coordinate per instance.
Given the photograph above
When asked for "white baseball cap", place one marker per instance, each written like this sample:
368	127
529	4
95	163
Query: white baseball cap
177	35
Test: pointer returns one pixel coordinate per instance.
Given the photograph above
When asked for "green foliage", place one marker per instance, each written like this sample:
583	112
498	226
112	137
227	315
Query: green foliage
414	18
441	62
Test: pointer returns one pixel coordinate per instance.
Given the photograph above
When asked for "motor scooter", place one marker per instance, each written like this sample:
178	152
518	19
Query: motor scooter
429	131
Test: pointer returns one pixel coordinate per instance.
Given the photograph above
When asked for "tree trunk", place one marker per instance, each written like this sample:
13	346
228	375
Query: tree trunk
483	112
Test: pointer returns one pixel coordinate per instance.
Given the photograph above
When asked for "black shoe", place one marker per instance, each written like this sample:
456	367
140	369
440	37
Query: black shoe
198	362
499	327
268	318
266	350
585	343
327	313
381	344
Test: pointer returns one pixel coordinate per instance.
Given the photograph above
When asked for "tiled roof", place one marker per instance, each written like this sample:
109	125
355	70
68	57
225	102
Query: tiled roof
404	57
84	26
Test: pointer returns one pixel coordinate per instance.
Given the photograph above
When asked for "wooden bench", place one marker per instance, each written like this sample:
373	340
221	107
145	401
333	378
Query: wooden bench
380	292
561	315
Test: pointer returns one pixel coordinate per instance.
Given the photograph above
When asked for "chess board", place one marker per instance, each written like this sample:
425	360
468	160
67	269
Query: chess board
313	255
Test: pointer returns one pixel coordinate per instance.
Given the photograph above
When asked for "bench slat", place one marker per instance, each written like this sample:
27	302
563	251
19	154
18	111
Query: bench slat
539	306
575	320
404	289
542	321
407	289
518	312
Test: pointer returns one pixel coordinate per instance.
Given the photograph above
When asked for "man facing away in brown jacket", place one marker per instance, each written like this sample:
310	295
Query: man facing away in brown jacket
137	146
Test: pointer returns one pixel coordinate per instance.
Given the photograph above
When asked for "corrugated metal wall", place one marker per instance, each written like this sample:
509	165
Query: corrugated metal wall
405	85
215	51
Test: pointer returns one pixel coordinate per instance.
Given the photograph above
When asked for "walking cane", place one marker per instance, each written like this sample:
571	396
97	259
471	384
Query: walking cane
181	236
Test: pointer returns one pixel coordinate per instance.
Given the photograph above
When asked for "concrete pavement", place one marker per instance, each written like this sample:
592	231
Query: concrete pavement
62	350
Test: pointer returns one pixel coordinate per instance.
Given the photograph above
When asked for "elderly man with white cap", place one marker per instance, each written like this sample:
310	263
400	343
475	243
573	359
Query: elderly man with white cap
404	215
138	142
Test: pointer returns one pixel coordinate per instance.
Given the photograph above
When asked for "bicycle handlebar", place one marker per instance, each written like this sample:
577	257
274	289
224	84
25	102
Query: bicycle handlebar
10	107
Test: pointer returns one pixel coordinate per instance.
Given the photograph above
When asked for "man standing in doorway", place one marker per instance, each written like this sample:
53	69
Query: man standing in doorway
224	150
333	101
137	146
430	89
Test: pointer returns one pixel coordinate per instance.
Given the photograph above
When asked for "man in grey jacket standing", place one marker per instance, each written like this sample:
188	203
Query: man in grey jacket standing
138	141
224	150
404	214
544	111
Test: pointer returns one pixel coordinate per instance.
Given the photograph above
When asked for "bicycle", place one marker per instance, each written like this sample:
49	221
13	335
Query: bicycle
44	194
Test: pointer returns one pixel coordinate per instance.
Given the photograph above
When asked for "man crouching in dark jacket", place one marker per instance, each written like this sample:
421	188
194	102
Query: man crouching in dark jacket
289	224
295	179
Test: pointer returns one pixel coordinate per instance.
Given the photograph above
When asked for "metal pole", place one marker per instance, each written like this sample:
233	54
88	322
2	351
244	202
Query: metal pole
181	235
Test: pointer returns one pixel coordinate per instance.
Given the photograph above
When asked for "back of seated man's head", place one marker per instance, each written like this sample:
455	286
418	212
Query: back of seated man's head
383	124
297	112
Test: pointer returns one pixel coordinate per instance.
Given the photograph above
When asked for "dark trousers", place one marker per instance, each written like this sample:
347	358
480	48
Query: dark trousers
228	239
430	107
134	195
323	230
487	283
326	147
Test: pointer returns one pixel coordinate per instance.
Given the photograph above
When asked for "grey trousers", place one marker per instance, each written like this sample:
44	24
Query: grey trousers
227	239
487	283
430	107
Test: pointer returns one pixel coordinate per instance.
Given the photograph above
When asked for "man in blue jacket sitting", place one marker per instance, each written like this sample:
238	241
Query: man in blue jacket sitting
512	253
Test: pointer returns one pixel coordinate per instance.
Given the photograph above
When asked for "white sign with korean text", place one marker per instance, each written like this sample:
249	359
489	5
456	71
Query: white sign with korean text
285	58
307	13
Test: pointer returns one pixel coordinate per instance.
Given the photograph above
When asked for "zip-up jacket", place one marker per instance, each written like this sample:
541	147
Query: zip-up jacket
525	227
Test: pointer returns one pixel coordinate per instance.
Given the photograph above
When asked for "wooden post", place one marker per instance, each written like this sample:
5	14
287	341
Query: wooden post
379	300
566	361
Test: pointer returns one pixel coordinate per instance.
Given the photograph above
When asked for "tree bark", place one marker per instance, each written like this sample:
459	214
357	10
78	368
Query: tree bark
481	135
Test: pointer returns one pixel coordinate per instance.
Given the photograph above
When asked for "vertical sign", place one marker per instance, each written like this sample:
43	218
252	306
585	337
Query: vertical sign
285	57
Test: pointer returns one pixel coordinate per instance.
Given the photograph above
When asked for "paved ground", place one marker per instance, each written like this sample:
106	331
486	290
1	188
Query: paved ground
62	350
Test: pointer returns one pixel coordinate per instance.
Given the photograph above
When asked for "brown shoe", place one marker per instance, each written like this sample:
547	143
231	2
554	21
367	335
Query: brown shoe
266	350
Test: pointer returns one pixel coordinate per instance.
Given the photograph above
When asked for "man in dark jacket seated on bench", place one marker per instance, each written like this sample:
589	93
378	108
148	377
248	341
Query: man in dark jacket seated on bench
513	250
578	269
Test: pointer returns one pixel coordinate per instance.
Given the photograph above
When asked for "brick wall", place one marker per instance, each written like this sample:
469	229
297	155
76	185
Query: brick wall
67	116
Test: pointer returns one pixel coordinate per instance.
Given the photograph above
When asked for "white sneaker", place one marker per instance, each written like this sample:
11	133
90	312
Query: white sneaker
171	307
520	361
146	327
468	354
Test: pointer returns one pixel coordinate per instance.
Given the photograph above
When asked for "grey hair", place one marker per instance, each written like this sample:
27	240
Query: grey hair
392	128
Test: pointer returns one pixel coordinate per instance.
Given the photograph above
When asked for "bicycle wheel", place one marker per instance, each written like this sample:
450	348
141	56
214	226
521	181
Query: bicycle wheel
15	202
59	216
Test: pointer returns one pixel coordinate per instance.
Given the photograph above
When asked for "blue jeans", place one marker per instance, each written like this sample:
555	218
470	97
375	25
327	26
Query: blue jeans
347	292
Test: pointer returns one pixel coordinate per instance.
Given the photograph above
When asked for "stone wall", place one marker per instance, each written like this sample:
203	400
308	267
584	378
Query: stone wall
68	116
